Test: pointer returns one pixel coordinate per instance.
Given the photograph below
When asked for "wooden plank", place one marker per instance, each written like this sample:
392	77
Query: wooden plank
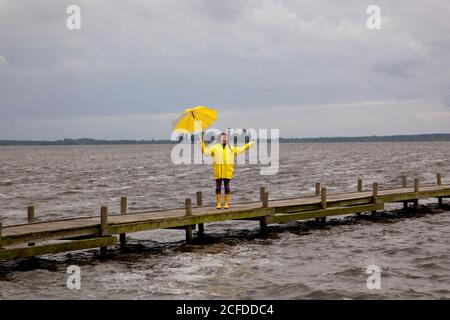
317	189
360	185
375	190
397	197
104	221
30	213
65	245
30	218
265	200
263	224
435	193
201	226
123	210
52	234
1	231
314	203
103	227
323	198
404	185
277	218
194	219
90	227
147	220
416	185
188	206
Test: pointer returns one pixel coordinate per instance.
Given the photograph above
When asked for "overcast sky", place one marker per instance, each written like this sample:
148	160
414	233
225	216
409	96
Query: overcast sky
309	68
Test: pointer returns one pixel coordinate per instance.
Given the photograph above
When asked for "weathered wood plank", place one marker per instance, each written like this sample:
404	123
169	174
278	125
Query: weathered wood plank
147	220
103	227
52	234
317	189
188	206
194	219
277	218
123	210
201	226
65	245
1	231
30	218
265	200
323	198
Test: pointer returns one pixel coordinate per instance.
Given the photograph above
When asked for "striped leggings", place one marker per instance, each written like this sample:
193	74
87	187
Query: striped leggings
226	184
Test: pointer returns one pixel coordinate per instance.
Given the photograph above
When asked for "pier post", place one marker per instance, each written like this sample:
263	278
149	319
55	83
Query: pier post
360	182
30	213
416	190
103	226
323	204
265	200
323	198
359	189
188	208
123	210
262	191
1	227
317	189
265	204
201	227
375	189
416	185
30	218
404	185
439	183
263	224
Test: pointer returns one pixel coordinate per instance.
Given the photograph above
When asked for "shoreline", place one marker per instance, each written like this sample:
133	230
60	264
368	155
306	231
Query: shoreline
435	137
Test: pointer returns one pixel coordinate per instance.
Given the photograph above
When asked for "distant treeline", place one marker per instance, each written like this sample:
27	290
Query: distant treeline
396	138
87	141
78	142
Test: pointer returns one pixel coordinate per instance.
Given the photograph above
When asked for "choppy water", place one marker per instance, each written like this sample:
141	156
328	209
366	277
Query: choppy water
295	260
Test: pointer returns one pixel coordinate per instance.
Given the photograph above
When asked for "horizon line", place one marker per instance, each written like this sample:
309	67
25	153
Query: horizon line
391	137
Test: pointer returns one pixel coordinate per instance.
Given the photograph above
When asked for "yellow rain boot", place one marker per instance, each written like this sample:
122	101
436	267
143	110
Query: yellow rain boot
219	201
227	201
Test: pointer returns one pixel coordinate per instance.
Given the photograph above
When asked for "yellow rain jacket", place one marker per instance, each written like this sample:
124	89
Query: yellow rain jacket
223	158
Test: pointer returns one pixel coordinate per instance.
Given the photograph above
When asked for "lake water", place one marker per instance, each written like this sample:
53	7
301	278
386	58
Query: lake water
299	260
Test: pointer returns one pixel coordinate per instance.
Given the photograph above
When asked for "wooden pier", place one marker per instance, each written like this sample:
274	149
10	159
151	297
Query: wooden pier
46	237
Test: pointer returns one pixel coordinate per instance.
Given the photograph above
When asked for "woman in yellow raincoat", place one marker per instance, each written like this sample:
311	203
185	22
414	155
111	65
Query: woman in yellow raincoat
223	165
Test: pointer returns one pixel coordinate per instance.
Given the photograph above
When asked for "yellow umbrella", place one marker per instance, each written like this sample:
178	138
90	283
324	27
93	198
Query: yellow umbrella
195	120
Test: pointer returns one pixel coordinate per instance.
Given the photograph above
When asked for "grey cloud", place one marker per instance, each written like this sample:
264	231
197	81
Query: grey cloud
157	57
